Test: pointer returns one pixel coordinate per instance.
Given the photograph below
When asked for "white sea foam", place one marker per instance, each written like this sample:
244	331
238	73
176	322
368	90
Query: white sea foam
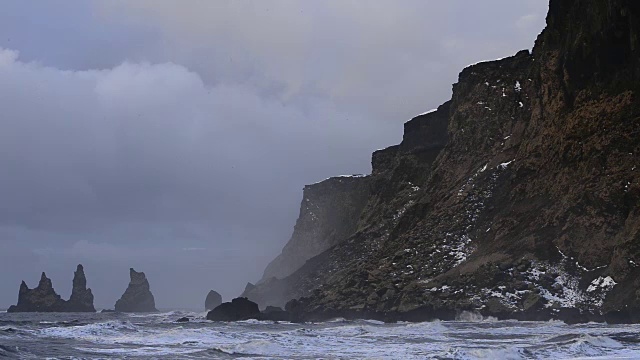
470	337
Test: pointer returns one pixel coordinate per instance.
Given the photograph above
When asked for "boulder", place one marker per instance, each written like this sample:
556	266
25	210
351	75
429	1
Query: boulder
183	319
138	296
213	300
236	310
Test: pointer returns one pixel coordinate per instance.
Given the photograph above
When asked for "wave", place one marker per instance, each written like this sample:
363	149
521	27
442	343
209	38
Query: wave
145	351
92	331
504	353
253	348
8	351
468	316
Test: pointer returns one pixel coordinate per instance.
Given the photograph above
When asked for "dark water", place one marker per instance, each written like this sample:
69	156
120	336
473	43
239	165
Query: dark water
158	336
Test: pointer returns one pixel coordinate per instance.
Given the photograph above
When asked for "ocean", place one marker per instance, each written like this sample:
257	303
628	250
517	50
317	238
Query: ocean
159	336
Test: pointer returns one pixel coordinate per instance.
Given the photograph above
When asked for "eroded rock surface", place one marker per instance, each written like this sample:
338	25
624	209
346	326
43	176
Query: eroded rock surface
137	297
81	299
44	298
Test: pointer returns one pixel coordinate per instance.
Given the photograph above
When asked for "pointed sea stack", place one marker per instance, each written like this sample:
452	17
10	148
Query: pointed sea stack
138	296
81	298
41	299
213	300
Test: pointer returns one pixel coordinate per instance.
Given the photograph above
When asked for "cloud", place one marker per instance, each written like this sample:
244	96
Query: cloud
384	59
177	139
527	21
148	154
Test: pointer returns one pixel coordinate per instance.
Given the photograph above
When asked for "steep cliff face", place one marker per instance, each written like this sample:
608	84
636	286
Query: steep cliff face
397	176
530	210
328	214
44	298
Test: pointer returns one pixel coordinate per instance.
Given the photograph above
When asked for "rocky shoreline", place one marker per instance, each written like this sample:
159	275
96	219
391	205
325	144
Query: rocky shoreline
241	309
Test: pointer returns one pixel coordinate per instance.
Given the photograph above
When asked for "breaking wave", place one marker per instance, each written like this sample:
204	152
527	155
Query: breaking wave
159	336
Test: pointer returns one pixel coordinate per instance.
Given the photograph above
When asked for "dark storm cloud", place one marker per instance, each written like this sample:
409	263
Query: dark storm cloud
179	139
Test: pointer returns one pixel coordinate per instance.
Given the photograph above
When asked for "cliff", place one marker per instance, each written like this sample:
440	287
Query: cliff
328	214
44	298
383	197
525	207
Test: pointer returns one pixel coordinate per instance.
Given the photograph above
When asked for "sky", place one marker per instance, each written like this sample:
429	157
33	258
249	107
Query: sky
176	136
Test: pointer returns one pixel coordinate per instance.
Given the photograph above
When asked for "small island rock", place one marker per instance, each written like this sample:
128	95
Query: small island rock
236	310
81	299
44	298
138	296
213	300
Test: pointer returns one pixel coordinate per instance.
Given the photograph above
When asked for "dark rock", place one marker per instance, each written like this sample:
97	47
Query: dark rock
213	300
44	298
275	313
533	301
107	311
236	310
183	319
81	299
137	297
270	309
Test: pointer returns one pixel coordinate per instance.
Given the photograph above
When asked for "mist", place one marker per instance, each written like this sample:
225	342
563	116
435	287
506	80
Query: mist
177	139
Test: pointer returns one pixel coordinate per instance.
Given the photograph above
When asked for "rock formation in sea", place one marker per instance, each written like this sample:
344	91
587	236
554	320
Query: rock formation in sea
238	309
44	298
137	297
518	198
81	299
213	300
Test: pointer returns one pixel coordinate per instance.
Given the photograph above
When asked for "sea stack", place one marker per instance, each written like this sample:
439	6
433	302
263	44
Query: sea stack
138	296
81	299
45	299
41	299
213	300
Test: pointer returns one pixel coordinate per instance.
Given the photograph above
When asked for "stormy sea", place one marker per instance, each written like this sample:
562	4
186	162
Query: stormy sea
159	336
